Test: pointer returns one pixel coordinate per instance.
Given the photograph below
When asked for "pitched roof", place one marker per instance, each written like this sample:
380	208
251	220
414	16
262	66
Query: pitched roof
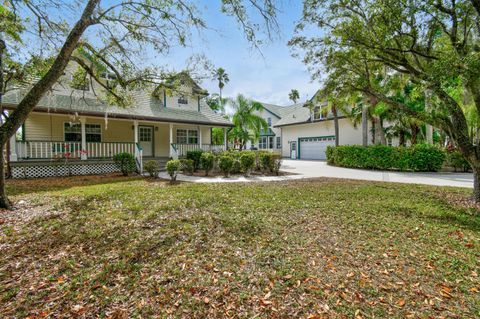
277	110
297	114
146	107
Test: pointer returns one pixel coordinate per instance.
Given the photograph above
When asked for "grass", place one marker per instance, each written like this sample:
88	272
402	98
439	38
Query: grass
307	249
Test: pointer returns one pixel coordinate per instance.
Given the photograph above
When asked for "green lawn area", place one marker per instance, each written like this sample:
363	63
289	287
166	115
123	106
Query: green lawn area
323	248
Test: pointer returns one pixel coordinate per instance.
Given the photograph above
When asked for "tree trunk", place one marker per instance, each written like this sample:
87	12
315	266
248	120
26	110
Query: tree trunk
414	128
365	125
33	96
4	201
476	184
379	133
401	138
335	122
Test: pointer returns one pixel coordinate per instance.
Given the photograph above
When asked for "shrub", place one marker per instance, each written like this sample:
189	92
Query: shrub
207	160
456	160
225	163
125	162
422	158
276	163
236	166
186	166
266	161
172	169
195	157
152	167
247	162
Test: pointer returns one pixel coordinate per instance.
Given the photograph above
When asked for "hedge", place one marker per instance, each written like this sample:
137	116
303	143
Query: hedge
418	158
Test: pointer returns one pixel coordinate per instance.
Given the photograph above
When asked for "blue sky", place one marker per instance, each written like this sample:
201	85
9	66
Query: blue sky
268	78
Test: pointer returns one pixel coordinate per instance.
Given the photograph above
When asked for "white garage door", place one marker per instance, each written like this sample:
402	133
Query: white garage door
314	148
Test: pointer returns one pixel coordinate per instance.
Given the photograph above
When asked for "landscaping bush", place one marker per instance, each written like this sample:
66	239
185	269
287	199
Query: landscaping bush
125	162
195	157
456	160
236	167
207	160
172	169
267	161
152	168
225	164
247	162
276	163
186	166
421	158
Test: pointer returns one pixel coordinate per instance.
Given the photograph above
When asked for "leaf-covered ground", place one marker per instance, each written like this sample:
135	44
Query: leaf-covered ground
323	248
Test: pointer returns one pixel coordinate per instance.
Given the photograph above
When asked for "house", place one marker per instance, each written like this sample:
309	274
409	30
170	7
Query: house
307	132
271	139
71	125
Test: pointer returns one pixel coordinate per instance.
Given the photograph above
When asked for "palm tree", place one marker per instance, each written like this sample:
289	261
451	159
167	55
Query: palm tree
222	77
248	125
294	96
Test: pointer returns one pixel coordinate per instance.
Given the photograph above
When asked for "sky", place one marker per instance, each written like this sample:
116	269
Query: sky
266	76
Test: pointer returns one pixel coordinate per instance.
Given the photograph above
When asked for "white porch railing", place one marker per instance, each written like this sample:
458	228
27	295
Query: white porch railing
139	157
52	150
182	149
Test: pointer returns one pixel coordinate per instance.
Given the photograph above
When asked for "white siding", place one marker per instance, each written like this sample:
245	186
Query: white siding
348	135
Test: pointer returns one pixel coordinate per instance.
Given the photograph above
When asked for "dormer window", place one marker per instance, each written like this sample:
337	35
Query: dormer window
319	113
182	100
269	122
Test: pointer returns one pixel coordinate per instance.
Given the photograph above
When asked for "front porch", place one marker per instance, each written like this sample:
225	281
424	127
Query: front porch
58	139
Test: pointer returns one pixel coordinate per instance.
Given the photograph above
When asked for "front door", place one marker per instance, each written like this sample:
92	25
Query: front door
145	138
293	149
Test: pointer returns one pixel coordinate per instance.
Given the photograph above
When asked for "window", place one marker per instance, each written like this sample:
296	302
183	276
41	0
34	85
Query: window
73	132
269	121
320	113
262	142
265	142
279	142
187	136
182	100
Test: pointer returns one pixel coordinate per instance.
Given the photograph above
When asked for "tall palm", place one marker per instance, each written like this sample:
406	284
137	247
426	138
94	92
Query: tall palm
294	96
248	125
222	77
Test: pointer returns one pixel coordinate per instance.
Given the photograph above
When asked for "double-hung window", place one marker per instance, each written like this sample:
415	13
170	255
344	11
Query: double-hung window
279	142
73	132
185	136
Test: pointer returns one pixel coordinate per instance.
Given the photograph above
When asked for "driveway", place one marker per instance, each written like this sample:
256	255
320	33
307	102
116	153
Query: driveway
311	169
308	169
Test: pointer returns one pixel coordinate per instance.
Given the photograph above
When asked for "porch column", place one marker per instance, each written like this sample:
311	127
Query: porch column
83	155
135	132
13	148
200	136
171	141
225	141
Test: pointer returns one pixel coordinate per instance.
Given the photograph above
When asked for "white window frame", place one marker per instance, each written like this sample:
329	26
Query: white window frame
189	134
71	124
279	142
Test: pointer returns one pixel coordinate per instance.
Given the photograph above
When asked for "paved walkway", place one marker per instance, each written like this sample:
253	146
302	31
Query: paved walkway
312	169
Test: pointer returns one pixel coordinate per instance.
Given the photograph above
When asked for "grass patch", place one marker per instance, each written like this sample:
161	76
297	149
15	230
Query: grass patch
318	248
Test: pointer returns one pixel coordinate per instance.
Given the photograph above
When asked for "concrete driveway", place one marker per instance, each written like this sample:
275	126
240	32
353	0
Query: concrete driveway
311	169
308	169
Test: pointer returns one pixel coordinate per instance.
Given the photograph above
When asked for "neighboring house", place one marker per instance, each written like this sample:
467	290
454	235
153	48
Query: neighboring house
307	131
72	124
271	139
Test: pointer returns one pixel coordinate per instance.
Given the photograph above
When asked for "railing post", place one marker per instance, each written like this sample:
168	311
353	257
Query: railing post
13	149
225	138
83	150
170	151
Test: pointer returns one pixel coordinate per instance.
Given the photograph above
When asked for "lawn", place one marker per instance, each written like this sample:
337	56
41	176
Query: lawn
324	248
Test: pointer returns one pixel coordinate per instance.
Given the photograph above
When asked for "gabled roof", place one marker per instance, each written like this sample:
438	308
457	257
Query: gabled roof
146	107
182	78
277	110
297	114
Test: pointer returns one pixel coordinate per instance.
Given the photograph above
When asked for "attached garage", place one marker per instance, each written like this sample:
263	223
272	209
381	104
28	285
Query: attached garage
314	148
